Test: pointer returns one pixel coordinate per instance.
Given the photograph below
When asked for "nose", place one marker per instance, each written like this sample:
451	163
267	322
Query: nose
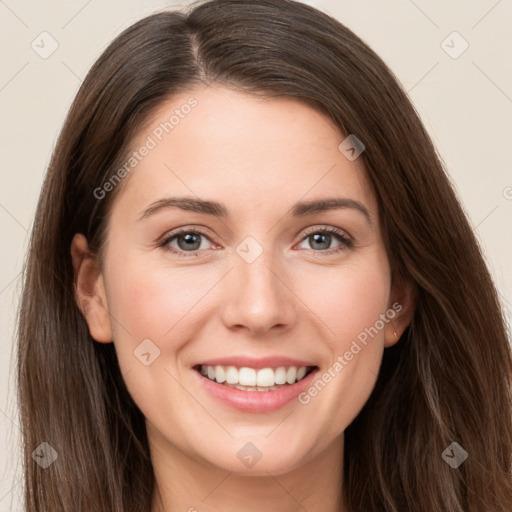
259	297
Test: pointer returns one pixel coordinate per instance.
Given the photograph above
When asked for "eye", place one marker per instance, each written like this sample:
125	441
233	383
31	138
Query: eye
185	241
189	242
321	239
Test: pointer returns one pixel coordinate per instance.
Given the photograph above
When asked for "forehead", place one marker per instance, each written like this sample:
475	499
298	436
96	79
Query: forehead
246	150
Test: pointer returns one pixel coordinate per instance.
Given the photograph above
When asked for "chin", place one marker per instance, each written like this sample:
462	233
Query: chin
255	456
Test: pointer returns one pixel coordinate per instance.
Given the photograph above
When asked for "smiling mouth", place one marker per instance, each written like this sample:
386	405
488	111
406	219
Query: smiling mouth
251	379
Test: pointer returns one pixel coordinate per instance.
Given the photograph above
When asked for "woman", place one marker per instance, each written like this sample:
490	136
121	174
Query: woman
341	350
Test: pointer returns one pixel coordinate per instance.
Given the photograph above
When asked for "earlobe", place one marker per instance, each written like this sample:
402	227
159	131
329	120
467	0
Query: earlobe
403	303
90	293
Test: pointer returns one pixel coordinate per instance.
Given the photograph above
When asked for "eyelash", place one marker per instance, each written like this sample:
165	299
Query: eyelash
345	241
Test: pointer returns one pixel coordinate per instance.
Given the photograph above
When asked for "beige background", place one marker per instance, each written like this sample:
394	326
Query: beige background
465	102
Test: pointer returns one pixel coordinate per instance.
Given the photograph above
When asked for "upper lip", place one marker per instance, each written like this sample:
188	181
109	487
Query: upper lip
255	362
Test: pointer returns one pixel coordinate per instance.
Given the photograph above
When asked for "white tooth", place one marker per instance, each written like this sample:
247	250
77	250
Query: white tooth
280	375
220	374
231	375
291	374
265	377
301	372
247	376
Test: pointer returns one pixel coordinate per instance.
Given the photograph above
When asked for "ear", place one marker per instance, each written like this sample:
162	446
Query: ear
400	310
90	291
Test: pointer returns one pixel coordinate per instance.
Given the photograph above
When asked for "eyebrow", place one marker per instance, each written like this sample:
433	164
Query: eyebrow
300	209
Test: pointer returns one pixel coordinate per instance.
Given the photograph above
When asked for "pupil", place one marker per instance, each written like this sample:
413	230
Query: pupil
317	239
191	241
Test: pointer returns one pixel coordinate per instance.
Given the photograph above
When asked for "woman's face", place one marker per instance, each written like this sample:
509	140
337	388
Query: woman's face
259	285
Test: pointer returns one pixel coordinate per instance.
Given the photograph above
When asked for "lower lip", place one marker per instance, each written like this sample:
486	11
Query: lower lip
256	401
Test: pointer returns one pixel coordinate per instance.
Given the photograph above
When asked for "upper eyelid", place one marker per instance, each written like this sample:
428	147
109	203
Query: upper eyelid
305	233
330	229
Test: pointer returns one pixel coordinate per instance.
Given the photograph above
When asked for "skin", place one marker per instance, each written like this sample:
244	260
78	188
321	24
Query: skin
258	157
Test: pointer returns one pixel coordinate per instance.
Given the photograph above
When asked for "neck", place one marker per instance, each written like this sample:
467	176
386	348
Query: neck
190	484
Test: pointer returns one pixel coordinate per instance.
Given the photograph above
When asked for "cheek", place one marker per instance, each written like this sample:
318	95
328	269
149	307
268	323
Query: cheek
161	302
152	301
156	310
348	298
349	303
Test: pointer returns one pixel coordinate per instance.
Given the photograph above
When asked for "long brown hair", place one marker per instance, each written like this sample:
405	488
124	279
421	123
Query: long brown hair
447	380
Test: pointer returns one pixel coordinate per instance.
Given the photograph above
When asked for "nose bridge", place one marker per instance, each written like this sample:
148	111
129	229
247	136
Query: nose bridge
258	297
